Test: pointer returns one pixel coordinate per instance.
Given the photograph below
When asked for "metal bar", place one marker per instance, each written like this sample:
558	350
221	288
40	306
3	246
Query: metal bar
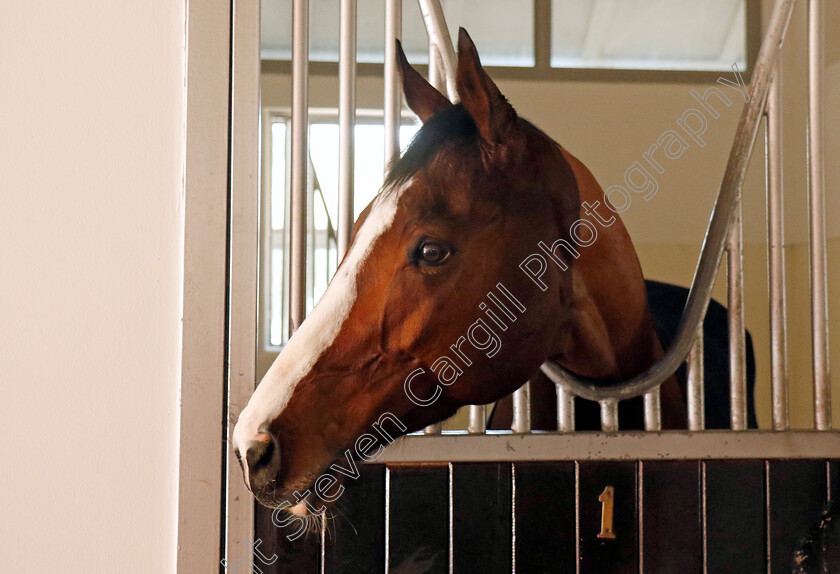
451	545
776	254
299	162
393	96
522	409
478	419
653	410
439	37
670	445
565	410
816	196
696	385
737	341
346	122
437	78
387	519
609	415
716	233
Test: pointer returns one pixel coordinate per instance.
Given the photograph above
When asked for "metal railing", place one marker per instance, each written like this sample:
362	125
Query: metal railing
724	232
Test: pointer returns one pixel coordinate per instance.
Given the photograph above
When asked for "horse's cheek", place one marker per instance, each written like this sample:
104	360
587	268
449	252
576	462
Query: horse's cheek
403	328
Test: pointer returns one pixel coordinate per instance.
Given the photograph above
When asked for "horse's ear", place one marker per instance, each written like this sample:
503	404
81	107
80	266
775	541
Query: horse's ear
423	99
492	113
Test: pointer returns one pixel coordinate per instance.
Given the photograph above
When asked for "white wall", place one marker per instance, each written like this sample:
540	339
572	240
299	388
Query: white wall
91	224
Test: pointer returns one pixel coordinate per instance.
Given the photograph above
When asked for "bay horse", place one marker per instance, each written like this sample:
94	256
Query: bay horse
432	309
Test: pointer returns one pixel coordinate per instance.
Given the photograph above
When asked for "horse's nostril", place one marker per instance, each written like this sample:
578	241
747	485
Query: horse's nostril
260	455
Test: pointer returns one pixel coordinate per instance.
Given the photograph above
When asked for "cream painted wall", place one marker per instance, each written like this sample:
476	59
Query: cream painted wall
609	125
91	225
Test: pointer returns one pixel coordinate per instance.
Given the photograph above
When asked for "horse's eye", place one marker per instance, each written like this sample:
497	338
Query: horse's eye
432	253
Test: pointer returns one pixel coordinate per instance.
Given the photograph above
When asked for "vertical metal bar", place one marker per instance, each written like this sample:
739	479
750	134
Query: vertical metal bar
323	520
577	517
346	122
776	254
816	193
478	419
299	161
653	410
696	385
704	517
386	569
513	518
522	409
737	343
768	539
393	97
640	496
565	410
439	36
451	548
609	415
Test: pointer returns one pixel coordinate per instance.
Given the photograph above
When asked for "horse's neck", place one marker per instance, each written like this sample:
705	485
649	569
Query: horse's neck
609	334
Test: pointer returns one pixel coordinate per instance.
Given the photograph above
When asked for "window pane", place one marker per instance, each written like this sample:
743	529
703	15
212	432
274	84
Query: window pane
503	30
278	291
648	34
278	173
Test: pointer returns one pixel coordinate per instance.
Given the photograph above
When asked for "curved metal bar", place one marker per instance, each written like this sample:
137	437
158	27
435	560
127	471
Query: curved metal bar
439	37
716	233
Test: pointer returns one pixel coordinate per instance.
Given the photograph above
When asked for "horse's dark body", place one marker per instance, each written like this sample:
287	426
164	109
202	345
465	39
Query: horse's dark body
666	304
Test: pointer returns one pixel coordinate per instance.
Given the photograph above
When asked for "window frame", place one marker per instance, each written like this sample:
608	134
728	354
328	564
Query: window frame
542	69
266	351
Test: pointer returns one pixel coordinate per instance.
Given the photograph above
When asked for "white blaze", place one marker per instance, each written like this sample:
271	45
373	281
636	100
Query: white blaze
317	333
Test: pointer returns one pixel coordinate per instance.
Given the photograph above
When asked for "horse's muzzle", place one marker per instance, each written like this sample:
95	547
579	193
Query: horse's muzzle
260	461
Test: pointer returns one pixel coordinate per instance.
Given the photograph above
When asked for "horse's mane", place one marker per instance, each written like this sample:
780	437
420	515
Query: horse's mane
451	125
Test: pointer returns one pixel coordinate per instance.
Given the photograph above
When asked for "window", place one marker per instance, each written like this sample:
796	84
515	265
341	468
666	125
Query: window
503	28
672	35
322	207
648	34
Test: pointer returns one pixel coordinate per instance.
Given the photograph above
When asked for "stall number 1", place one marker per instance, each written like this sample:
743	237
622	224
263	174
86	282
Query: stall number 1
606	499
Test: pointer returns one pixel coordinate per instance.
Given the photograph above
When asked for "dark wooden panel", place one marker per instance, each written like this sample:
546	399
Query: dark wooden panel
671	517
299	556
599	555
481	528
355	541
735	517
418	529
797	498
545	517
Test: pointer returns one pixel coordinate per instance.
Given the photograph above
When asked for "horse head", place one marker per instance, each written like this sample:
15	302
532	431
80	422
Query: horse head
430	309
